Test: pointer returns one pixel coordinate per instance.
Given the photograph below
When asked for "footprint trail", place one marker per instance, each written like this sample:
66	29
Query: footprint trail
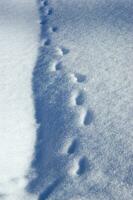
81	132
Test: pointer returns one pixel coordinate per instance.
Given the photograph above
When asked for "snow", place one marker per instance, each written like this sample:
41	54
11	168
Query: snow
19	43
82	134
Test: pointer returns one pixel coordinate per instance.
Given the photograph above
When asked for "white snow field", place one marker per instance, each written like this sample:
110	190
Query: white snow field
19	32
77	118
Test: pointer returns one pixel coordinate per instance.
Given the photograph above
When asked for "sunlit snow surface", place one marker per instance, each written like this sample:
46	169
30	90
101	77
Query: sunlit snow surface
83	94
19	32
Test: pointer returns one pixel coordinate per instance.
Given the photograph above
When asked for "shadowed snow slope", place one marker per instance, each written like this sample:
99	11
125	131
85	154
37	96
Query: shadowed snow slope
18	42
83	100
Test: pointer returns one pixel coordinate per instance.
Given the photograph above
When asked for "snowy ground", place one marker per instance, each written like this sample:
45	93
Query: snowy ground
82	89
19	32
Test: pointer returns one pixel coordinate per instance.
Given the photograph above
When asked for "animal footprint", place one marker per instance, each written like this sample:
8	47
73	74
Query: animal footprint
88	118
50	11
49	190
55	29
84	165
43	22
80	167
47	11
62	51
44	3
55	66
65	51
80	77
58	66
73	146
80	99
46	42
85	117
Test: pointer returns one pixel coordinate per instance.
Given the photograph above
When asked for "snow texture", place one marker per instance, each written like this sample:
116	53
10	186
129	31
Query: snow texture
82	93
83	101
